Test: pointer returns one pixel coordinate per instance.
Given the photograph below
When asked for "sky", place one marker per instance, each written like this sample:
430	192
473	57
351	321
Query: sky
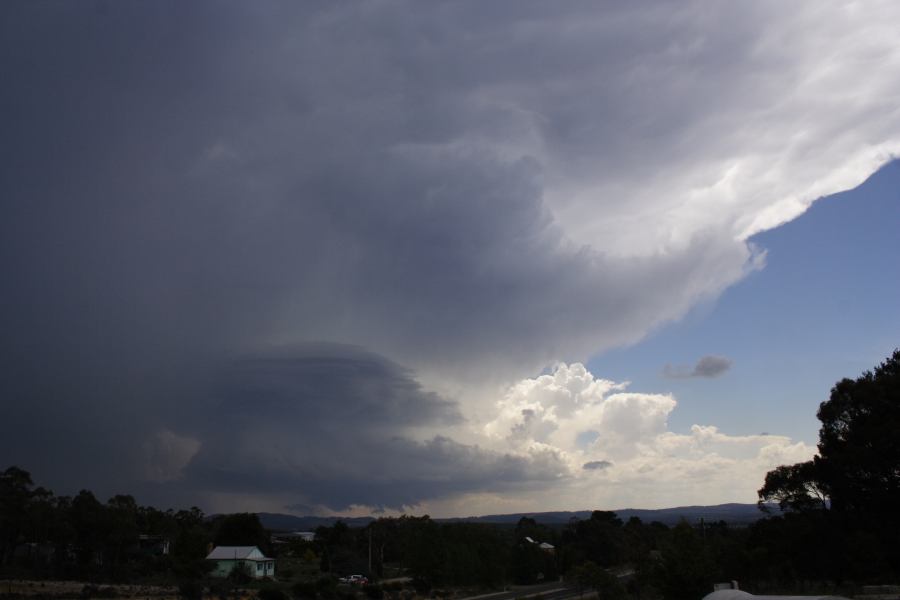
452	258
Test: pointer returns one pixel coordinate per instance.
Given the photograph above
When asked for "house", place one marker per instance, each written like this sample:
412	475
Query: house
542	545
247	558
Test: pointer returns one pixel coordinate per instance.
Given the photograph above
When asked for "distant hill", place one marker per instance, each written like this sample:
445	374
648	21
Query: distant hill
733	514
281	522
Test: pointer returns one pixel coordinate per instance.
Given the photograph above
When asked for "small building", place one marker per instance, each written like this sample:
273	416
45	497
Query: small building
542	545
247	558
153	545
735	594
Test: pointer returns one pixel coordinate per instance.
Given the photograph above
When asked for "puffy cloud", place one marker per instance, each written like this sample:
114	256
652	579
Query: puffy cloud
708	366
625	436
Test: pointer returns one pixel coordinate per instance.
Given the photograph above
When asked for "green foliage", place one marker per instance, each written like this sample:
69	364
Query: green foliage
326	586
271	594
93	591
686	570
304	590
589	576
599	539
856	474
191	589
239	575
794	487
342	549
240	529
421	585
858	465
859	446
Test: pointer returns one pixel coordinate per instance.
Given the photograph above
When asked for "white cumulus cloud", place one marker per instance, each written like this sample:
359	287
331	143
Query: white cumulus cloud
631	457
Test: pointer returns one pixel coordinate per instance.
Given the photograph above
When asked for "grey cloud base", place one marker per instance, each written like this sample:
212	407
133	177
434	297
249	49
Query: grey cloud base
335	426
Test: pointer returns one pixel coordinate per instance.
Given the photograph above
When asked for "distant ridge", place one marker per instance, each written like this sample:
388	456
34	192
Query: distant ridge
281	522
733	514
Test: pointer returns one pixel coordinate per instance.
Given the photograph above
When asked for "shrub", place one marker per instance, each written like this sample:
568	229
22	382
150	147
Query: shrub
326	586
92	591
374	591
304	590
421	585
190	589
271	594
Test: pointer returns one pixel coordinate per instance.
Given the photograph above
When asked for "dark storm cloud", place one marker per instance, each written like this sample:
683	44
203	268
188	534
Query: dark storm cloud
188	180
183	184
333	425
707	367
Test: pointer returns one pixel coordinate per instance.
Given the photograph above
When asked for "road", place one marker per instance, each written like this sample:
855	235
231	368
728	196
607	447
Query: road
556	590
547	591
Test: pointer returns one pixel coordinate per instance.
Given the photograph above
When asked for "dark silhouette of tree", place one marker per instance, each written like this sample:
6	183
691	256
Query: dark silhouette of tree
856	474
858	465
122	518
423	548
859	444
241	529
588	576
686	569
599	539
90	524
794	487
16	490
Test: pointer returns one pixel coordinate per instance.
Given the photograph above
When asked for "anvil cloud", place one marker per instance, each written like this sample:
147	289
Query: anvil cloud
304	252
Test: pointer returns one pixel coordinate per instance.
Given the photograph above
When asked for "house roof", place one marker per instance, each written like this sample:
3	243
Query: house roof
236	553
742	595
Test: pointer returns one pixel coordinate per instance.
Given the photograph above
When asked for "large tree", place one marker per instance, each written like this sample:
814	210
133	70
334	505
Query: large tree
858	464
796	487
859	442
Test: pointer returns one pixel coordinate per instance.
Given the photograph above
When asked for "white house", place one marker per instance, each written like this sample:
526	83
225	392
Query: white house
249	558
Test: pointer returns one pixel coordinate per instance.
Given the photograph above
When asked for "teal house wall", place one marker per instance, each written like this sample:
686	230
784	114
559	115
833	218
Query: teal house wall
249	558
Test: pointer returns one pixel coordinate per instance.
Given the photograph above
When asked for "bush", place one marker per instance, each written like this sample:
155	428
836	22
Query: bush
92	591
374	591
220	589
190	589
271	594
239	575
326	586
421	585
304	590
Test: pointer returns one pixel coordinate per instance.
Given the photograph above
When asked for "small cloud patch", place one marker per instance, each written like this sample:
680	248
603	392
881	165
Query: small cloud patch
708	367
596	465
